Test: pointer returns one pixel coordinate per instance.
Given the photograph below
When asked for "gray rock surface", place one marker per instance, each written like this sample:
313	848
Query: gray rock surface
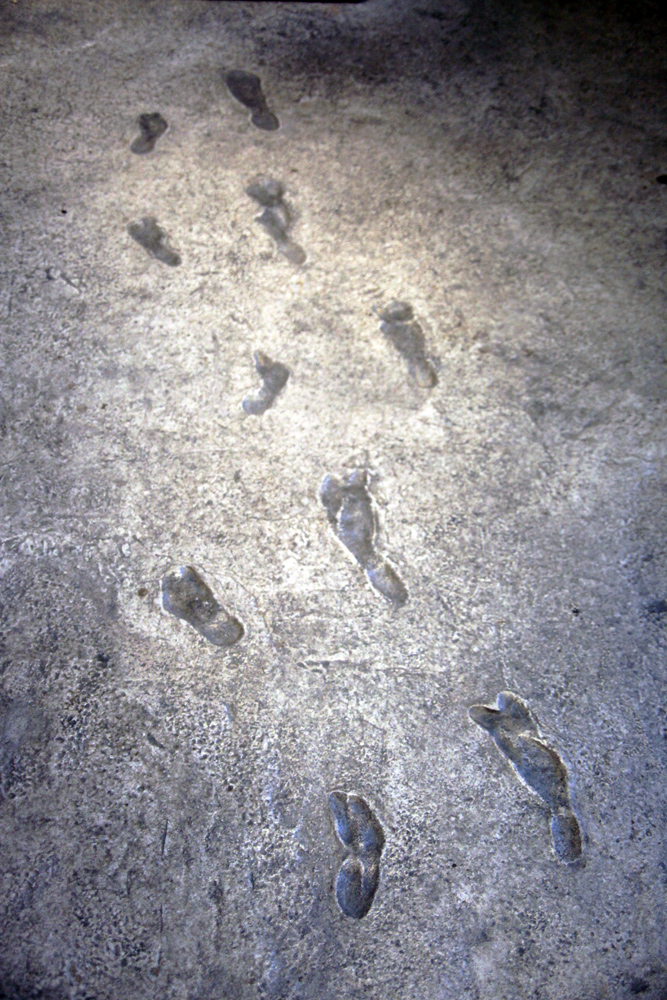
165	821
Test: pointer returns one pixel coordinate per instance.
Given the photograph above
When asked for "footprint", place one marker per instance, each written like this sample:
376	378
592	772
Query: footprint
153	239
276	218
407	336
152	126
517	736
186	595
358	829
274	377
247	89
349	508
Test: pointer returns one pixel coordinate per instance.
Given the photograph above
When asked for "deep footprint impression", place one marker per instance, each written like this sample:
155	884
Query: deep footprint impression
151	126
247	89
186	595
515	733
349	508
153	239
274	377
360	831
407	336
276	218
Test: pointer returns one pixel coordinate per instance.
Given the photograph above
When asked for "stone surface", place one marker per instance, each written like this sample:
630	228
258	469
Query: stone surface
165	820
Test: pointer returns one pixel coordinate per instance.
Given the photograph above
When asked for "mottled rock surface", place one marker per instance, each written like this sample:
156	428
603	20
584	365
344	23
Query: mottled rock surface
166	831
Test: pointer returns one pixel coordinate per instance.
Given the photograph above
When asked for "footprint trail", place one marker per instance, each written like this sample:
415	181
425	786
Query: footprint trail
186	595
359	830
274	377
349	508
246	88
515	733
276	218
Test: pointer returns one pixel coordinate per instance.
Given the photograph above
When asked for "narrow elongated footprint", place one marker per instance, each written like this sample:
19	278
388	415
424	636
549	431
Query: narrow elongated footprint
153	239
274	377
186	595
246	88
349	508
359	830
516	734
407	336
276	218
151	127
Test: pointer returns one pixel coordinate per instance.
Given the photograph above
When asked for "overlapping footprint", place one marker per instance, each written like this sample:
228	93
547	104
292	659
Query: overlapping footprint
276	218
400	328
349	508
516	734
358	829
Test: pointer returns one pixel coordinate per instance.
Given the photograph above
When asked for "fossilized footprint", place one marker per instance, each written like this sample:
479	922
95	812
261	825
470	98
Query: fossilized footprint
151	127
358	829
276	217
407	336
247	89
349	508
274	377
186	595
517	736
153	239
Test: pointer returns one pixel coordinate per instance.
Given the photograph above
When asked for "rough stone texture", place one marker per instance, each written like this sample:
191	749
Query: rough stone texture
165	829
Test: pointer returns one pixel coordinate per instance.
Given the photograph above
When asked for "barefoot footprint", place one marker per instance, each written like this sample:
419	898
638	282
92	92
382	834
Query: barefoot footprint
516	735
152	238
247	89
358	829
349	508
274	377
186	595
151	126
407	336
276	218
